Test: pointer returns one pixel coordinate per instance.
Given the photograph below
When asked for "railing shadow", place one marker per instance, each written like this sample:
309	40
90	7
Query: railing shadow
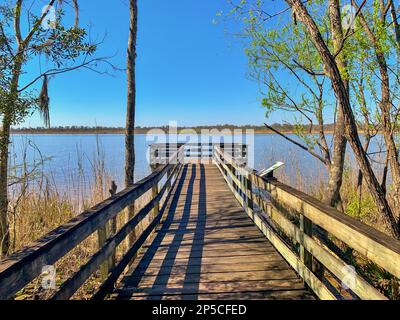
193	271
165	271
135	277
190	264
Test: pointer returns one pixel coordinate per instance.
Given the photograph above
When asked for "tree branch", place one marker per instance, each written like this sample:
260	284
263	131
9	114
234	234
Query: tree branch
17	22
52	72
297	144
309	71
10	50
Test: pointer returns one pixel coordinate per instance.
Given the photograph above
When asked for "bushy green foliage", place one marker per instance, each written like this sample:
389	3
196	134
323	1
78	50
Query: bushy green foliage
61	47
362	208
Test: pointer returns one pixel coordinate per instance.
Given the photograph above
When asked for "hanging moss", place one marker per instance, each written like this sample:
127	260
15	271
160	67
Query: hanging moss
44	102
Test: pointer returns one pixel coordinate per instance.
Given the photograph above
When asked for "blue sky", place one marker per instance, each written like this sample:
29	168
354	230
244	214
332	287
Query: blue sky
189	69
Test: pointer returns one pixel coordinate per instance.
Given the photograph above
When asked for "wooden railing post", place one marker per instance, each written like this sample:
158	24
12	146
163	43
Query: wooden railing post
113	225
108	230
222	149
306	228
168	190
154	193
102	235
249	193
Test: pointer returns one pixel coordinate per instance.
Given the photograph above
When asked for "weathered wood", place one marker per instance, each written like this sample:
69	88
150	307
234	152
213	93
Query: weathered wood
109	229
154	193
218	287
201	254
361	287
70	286
250	295
113	226
312	281
102	236
374	245
306	229
108	284
22	267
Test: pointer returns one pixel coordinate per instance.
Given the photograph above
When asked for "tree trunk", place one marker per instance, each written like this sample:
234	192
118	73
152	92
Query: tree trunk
332	192
4	144
385	104
130	111
350	123
395	24
4	226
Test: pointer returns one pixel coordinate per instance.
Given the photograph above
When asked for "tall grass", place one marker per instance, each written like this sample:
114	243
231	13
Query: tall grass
38	205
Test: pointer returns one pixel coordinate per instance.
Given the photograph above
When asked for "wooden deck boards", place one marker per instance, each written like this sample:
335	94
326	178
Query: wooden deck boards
208	248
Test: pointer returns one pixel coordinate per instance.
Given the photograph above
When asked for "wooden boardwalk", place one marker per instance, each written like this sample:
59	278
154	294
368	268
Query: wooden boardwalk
208	248
223	233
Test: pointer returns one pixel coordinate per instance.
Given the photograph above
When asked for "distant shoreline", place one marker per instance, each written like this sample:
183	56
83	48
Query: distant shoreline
37	132
284	129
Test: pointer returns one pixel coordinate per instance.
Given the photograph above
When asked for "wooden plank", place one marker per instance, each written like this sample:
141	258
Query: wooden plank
260	246
221	240
249	295
229	276
177	267
214	287
207	246
250	258
219	252
239	248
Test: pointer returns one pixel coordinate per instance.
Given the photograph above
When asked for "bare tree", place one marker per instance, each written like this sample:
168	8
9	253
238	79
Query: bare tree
131	107
332	193
275	55
388	113
351	131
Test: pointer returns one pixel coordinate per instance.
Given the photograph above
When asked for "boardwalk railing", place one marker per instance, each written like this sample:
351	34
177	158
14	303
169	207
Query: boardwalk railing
290	219
160	153
21	268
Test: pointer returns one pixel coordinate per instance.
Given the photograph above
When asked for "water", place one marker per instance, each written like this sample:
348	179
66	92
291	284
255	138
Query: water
69	156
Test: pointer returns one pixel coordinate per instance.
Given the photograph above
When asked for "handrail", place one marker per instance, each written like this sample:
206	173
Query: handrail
372	244
159	152
25	265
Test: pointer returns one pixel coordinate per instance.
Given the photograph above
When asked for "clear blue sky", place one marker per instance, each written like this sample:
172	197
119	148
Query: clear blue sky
189	69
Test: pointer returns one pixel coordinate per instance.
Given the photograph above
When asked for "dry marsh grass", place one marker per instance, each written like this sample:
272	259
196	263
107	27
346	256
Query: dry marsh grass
38	205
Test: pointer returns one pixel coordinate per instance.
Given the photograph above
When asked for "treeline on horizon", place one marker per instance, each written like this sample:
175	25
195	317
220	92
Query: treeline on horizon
280	127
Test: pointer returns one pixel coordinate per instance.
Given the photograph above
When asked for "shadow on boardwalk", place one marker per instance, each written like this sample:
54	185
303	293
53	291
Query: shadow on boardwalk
207	248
